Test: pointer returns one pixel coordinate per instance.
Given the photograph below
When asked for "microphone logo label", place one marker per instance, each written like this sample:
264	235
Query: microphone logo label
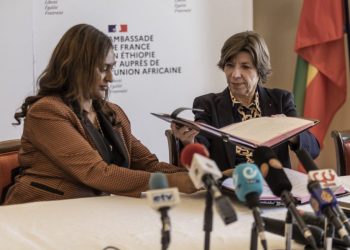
326	196
326	177
163	197
210	165
321	198
247	179
249	172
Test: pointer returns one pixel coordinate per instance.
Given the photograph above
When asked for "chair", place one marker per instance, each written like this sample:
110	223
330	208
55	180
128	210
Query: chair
174	147
9	165
342	148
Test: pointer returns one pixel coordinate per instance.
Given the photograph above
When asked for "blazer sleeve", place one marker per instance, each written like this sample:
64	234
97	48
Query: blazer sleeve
307	140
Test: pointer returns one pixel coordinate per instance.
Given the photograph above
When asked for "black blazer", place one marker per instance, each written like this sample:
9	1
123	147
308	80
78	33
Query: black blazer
218	112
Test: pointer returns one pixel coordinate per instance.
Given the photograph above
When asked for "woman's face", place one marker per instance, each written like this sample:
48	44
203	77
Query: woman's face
105	74
242	76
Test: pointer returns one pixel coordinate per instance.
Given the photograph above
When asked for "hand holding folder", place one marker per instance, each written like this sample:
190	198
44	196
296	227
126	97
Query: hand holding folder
262	131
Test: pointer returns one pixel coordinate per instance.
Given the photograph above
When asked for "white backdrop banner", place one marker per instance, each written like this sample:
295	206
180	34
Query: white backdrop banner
166	51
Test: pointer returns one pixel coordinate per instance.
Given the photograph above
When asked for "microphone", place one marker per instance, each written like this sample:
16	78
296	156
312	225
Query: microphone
327	179
311	219
278	227
323	202
306	159
204	172
272	170
195	158
247	181
162	198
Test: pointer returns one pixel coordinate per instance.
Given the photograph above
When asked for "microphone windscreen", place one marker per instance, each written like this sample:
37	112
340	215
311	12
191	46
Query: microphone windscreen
275	176
247	179
263	154
191	149
158	181
306	159
278	181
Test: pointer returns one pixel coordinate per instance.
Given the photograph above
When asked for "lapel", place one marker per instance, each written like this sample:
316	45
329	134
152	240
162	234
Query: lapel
225	117
96	139
265	101
115	139
224	109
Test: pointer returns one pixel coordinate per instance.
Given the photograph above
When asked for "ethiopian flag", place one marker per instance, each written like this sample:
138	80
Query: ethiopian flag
320	77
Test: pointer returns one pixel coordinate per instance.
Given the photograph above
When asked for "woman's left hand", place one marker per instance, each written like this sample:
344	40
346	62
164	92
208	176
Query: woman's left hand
295	139
185	134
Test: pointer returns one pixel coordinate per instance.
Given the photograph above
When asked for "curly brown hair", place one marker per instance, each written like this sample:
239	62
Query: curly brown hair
72	70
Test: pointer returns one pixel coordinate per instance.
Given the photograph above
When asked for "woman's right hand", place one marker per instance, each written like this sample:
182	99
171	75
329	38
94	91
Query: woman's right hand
182	181
184	134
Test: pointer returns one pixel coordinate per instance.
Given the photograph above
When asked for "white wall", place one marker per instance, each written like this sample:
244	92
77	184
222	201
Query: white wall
191	40
16	62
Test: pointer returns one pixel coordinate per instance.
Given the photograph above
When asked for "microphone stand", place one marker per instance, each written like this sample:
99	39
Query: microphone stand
208	219
344	219
288	230
329	234
165	229
254	237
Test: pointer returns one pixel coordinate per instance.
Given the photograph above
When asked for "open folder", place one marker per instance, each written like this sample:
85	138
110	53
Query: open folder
299	190
262	131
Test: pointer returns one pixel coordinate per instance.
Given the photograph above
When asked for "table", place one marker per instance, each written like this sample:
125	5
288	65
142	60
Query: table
125	223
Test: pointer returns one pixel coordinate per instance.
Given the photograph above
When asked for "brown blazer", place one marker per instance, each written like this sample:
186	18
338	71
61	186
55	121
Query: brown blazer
61	161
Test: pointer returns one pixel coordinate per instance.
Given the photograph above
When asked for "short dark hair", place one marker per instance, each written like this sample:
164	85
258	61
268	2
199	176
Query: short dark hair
252	43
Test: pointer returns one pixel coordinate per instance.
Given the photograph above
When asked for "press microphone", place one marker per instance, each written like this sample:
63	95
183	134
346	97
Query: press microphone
306	160
247	181
311	219
195	157
327	178
276	226
272	170
162	198
323	202
204	172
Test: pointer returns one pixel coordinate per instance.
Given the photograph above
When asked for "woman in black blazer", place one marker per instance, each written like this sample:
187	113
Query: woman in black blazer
245	61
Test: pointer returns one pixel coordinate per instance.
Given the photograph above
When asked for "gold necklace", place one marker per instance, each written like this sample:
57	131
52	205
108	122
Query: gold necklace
97	122
101	131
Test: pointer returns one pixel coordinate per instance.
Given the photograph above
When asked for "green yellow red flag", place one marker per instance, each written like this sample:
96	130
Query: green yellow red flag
320	77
